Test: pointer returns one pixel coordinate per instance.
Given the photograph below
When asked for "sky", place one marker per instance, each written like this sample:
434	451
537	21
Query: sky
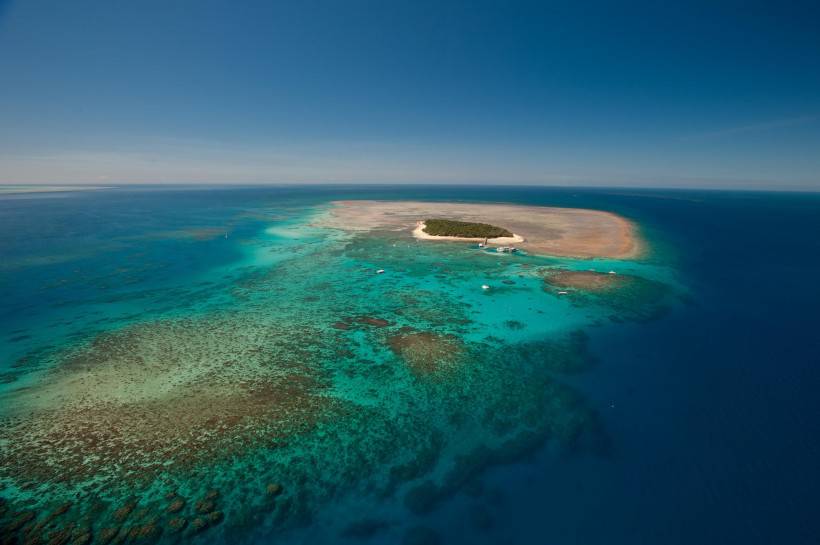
656	94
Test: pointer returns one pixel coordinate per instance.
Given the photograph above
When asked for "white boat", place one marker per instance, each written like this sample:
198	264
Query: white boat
485	287
380	271
563	292
612	272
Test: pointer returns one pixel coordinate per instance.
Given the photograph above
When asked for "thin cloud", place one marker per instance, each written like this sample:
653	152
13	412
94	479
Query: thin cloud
755	127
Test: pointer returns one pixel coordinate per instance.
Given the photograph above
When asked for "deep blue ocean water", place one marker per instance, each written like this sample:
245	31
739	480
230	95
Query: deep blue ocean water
711	410
716	417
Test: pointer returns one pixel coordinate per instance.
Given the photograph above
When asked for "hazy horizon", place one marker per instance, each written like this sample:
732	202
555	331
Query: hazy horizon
511	185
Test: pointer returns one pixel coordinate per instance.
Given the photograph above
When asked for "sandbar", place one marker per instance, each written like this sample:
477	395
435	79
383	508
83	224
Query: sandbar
540	230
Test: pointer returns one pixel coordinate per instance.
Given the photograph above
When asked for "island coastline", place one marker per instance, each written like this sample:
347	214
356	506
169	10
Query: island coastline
420	234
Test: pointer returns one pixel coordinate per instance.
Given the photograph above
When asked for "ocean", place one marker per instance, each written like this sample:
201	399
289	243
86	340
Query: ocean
208	364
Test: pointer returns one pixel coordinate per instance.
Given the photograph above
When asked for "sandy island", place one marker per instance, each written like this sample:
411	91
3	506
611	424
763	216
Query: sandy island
419	232
565	232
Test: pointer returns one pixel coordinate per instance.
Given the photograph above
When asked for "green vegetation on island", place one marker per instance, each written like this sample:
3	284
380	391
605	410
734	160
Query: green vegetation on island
466	229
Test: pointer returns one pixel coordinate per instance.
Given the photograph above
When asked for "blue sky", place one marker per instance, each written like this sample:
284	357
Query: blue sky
661	94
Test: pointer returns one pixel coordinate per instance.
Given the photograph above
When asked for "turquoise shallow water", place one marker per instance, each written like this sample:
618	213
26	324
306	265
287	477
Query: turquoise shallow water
207	365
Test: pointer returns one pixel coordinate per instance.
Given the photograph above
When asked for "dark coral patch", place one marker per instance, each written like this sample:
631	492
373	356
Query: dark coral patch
273	489
629	297
107	535
176	506
584	280
514	324
177	524
372	321
19	521
215	517
212	494
123	512
199	524
205	506
145	533
426	352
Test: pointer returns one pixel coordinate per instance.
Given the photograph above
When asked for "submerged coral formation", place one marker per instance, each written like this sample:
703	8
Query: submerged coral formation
163	396
626	296
425	352
584	280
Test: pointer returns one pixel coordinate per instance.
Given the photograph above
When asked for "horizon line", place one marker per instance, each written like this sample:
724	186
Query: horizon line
211	184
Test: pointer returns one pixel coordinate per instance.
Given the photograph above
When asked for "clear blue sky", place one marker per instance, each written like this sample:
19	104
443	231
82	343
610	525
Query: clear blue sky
650	94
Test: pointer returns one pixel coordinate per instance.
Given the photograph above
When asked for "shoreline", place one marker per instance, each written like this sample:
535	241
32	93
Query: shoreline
419	233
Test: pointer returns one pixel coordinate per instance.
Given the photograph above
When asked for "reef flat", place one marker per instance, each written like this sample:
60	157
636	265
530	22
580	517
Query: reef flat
313	374
584	280
567	232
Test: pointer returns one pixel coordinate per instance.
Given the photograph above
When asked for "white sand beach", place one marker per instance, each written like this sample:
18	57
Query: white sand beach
419	233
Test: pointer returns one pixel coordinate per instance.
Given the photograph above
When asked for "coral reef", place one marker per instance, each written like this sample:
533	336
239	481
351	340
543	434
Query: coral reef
311	382
427	353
